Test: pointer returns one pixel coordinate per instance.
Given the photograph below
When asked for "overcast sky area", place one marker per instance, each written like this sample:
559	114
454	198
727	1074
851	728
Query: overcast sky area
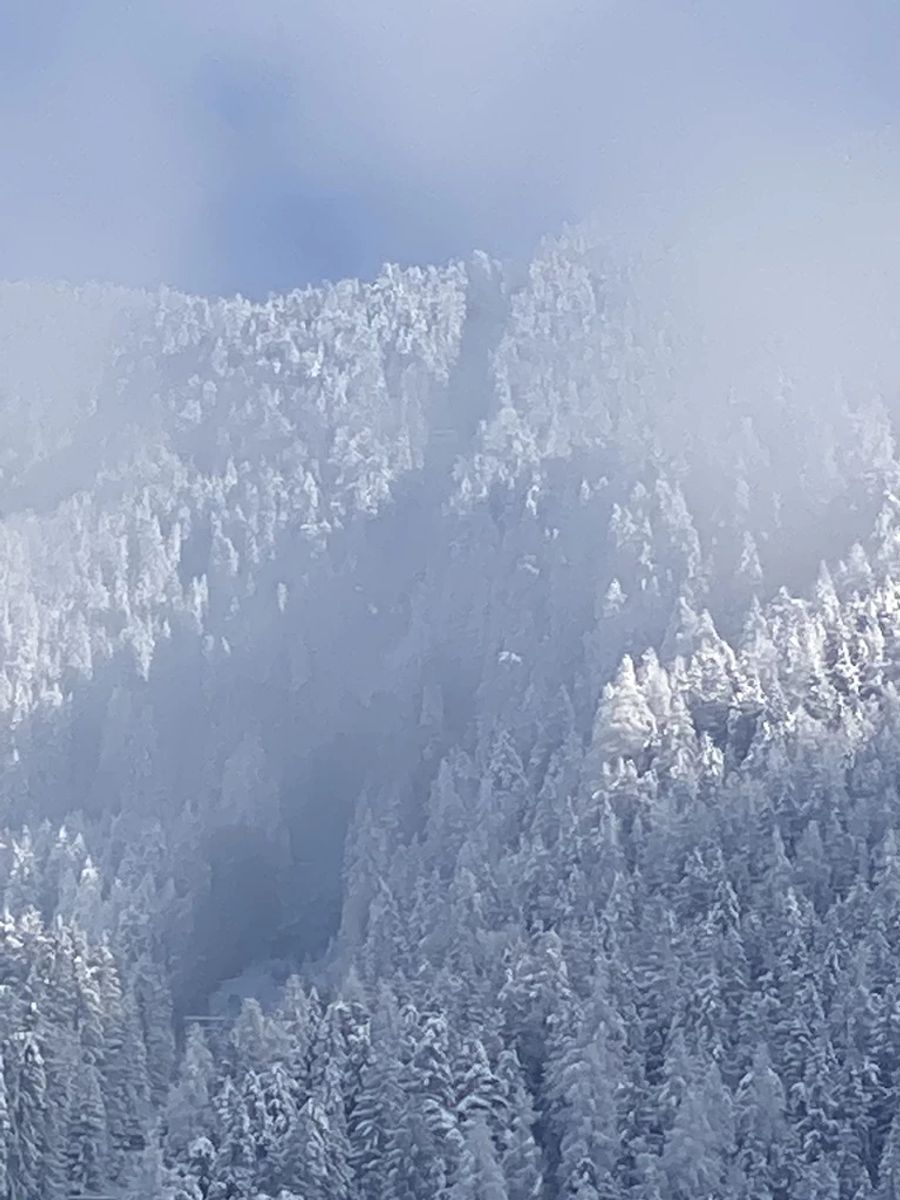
224	146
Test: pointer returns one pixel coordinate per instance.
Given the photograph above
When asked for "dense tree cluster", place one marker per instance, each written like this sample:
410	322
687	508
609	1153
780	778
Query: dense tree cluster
467	644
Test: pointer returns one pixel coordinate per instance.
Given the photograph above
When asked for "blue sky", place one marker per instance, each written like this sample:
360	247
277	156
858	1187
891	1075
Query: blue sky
221	148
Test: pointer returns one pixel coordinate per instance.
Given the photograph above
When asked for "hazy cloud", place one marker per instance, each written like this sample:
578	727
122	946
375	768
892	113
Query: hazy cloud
224	145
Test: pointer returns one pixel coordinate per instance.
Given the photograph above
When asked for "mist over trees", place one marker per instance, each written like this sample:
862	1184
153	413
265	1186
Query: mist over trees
506	673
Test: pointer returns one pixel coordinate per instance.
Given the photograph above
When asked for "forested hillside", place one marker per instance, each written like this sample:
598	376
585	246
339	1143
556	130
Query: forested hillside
505	669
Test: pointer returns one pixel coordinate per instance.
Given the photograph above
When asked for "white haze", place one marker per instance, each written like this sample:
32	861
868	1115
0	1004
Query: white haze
455	123
789	266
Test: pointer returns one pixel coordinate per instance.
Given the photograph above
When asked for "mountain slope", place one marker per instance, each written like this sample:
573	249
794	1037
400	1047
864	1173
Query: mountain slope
462	643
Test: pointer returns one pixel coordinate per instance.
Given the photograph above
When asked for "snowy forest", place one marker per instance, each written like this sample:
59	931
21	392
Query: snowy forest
450	740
